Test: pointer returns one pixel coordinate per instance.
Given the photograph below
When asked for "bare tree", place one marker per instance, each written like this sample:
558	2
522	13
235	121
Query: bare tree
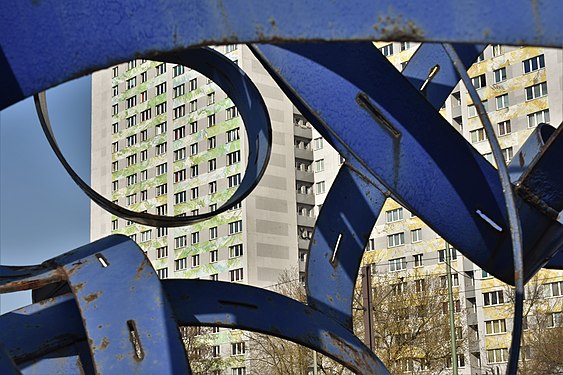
200	350
411	325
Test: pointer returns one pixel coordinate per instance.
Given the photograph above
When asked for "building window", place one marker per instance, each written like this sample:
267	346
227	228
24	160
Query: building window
493	298
211	120
161	88
231	113
179	132
179	90
115	71
533	64
143	77
397	264
495	326
180	264
419	285
394	215
180	197
161	149
477	135
114	225
387	50
216	351
497	50
146	115
144	96
115	185
131	121
114	166
212	187
160	69
132	101
131	179
144	135
230	48
554	319
114	128
160	108
471	111
238	348
235	251
131	64
500	75
162	273
507	153
405	46
193	106
555	289
442	255
180	154
180	111
536	118
177	70
504	127
161	169
416	235
160	128
320	187
236	275
479	82
319	165
131	160
210	98
233	157
194	193
417	260
234	180
193	127
161	252
212	233
481	57
180	242
161	232
193	149
213	256
143	174
162	210
114	147
146	235
195	260
211	143
115	109
497	355
235	227
213	207
179	175
396	239
233	135
536	91
318	143
211	165
502	101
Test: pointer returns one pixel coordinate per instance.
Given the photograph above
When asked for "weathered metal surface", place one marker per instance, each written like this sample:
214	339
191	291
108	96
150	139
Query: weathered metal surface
236	84
341	234
418	154
97	34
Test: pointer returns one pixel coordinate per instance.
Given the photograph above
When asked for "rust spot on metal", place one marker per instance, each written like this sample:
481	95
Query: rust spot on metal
140	270
92	296
104	344
529	196
395	28
78	287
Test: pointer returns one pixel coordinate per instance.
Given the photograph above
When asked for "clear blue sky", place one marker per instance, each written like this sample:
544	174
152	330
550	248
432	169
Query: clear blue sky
42	212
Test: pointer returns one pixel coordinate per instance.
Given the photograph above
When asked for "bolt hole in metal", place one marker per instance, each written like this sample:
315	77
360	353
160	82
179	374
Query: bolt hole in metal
336	247
135	340
363	100
103	261
431	74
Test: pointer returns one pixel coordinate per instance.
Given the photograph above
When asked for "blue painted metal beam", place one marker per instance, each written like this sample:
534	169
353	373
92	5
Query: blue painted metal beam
83	36
418	153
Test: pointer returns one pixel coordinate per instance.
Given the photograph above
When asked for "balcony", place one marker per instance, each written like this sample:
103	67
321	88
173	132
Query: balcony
306	221
302	131
304	176
304	153
306	199
303	243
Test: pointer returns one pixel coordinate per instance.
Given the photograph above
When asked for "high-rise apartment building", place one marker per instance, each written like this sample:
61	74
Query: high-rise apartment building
521	87
167	140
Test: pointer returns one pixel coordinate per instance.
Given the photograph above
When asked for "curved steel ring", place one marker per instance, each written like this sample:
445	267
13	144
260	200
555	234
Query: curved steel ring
238	86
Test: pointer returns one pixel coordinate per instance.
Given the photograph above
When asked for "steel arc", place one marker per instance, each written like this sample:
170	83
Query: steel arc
238	86
358	84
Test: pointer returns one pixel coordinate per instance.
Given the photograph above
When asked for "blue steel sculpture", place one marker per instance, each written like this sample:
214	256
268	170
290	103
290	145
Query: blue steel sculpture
99	323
